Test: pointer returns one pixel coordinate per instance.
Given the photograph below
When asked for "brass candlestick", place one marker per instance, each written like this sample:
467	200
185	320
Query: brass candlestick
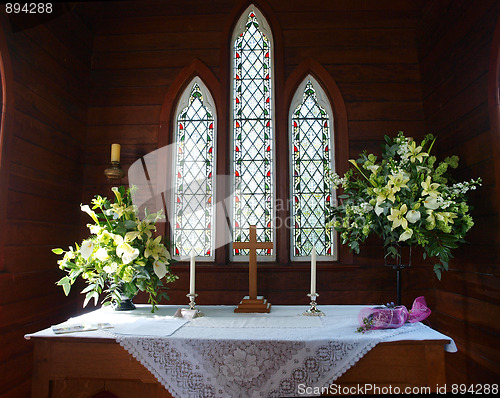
115	172
313	311
192	305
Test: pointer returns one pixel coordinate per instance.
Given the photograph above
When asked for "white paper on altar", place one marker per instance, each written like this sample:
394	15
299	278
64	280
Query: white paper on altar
257	322
149	327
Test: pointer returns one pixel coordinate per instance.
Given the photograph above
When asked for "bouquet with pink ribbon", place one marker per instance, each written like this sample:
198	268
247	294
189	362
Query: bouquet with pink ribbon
392	317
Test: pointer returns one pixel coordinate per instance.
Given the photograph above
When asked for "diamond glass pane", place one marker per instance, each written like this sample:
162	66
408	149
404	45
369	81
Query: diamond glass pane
252	136
310	164
193	210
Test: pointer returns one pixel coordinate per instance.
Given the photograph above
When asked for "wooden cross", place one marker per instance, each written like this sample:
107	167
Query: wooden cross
253	303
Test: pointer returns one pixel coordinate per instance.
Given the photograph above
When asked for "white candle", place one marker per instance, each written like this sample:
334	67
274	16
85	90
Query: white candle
191	273
115	152
313	271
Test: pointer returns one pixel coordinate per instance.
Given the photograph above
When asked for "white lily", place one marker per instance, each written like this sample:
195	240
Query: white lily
153	248
102	254
111	269
90	212
431	220
87	248
429	188
399	181
413	216
130	236
378	210
160	268
415	152
373	168
431	203
407	234
127	253
397	218
94	229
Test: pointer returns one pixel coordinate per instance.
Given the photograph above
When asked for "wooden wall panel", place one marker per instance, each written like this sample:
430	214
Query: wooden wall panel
369	48
50	69
455	46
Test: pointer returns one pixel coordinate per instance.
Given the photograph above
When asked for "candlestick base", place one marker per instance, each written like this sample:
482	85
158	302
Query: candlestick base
192	306
313	311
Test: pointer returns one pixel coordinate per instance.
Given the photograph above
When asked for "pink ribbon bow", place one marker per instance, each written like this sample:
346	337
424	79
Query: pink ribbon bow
392	318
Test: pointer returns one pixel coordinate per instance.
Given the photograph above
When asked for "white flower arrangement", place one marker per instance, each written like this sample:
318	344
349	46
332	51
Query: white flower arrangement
405	200
121	257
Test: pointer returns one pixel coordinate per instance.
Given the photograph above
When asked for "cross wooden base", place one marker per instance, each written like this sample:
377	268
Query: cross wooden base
249	305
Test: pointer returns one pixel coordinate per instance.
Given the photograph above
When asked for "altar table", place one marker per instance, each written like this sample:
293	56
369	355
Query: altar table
228	355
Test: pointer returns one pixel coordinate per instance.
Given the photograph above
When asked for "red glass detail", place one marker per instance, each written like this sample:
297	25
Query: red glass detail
178	200
268	251
328	198
329	251
179	175
237	100
295	149
252	15
176	251
269	224
326	148
237	149
294	123
211	126
209	200
208	252
297	252
210	175
177	225
267	100
210	150
237	55
236	225
326	124
268	174
267	55
268	149
268	123
296	199
237	77
236	199
267	77
237	124
180	126
209	225
236	173
236	251
296	226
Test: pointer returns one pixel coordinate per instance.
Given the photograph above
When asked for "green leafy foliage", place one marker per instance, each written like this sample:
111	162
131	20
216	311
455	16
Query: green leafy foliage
121	257
405	198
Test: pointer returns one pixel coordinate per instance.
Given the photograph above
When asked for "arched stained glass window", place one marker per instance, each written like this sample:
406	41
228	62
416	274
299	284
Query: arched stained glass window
193	226
252	138
311	159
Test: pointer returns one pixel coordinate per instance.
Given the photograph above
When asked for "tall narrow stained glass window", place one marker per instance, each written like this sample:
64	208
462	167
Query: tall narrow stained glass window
311	159
252	122
194	171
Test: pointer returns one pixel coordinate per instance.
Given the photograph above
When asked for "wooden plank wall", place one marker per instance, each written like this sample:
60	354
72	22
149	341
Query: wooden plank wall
455	47
50	64
369	48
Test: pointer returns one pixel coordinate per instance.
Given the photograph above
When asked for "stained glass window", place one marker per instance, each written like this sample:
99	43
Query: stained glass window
194	170
311	158
252	134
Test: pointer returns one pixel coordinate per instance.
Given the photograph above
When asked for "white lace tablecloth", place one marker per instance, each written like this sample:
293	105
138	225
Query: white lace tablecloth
225	355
